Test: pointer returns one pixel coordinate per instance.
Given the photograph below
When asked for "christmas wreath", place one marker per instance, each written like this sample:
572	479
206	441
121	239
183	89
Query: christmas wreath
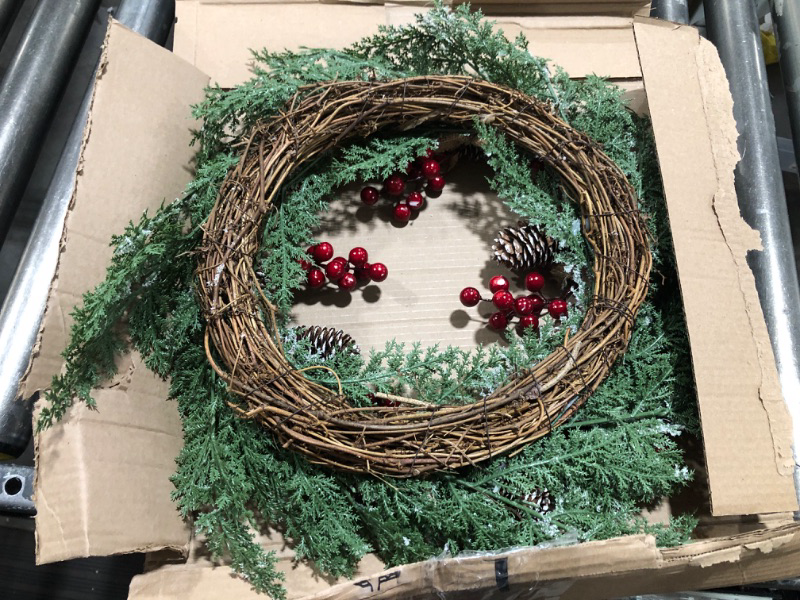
205	287
412	439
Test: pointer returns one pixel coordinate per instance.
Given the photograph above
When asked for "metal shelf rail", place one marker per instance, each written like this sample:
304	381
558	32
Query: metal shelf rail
676	11
23	309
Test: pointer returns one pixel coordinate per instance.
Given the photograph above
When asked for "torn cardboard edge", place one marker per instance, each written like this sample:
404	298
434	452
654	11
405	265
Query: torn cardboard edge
611	568
22	389
96	466
739	395
101	67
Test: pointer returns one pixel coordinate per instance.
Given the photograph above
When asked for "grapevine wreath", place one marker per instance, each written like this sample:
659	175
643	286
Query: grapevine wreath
280	423
411	439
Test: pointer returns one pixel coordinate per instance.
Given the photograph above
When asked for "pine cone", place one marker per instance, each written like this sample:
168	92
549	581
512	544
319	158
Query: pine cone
541	499
471	151
523	248
326	341
458	147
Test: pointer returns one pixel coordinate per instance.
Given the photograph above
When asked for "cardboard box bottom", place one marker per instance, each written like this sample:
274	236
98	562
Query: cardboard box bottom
593	570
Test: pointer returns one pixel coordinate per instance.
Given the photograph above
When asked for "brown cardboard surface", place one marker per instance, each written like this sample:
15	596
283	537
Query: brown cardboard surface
593	570
596	46
199	578
627	8
217	38
102	477
419	299
140	118
746	426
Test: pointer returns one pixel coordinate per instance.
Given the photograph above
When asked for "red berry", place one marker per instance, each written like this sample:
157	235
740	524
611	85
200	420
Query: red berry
411	169
335	270
348	282
394	185
343	260
304	264
557	308
370	195
310	250
415	200
322	252
402	212
498	321
436	184
315	278
382	401
429	153
358	256
470	296
497	283
362	272
528	321
378	271
503	300
523	306
430	168
534	282
537	302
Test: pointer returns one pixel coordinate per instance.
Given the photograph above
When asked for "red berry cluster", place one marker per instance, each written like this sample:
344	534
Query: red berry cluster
423	175
337	270
386	402
527	308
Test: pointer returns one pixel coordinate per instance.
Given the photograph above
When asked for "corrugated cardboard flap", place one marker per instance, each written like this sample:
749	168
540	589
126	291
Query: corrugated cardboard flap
746	425
217	37
607	569
102	482
102	478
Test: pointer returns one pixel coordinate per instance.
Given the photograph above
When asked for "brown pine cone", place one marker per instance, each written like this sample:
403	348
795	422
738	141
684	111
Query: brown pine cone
524	248
326	341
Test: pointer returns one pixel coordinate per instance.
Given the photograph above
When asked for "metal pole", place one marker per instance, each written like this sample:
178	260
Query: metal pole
32	88
8	12
786	17
733	27
676	11
23	309
152	19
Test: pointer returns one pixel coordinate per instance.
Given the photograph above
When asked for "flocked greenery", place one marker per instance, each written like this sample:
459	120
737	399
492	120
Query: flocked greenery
616	455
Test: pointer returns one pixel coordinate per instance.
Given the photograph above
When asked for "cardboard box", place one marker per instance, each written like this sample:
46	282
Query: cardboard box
102	476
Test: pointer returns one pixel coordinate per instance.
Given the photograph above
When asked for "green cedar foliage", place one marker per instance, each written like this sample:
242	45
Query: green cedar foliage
289	228
617	454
